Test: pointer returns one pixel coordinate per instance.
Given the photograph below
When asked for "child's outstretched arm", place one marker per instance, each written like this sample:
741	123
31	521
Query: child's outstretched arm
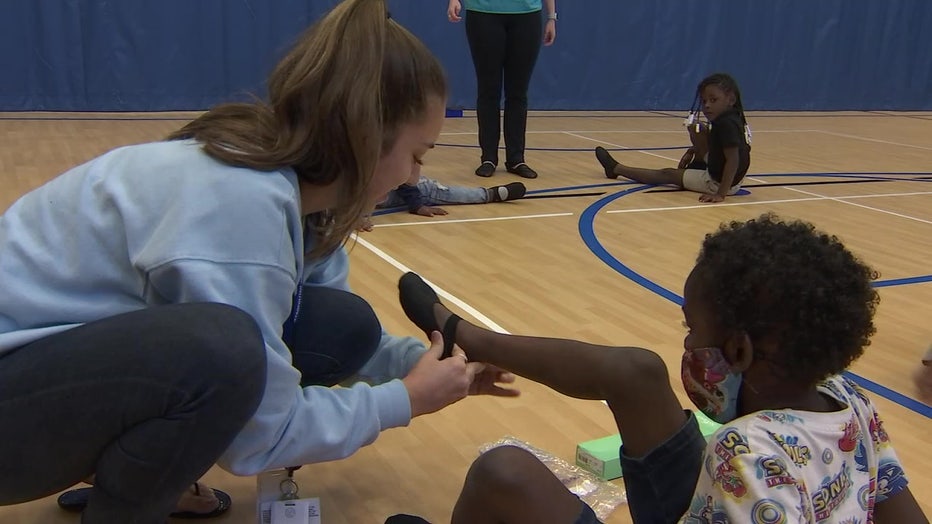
411	196
418	203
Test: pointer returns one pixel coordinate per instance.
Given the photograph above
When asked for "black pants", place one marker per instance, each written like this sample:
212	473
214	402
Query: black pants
146	400
149	400
335	334
503	47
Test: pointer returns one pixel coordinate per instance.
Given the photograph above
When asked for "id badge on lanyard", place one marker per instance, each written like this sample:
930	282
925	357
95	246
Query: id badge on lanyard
279	502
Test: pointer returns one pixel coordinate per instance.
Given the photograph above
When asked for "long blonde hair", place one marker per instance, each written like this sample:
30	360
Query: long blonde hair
336	103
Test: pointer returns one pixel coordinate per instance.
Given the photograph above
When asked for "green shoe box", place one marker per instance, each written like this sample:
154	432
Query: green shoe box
600	456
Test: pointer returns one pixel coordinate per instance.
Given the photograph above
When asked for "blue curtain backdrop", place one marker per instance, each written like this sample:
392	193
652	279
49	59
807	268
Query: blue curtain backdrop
147	55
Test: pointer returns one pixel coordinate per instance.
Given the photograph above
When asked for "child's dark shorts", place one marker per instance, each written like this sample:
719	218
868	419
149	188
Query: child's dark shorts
660	485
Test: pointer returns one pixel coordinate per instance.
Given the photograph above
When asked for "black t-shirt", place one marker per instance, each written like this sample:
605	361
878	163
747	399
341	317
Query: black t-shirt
728	131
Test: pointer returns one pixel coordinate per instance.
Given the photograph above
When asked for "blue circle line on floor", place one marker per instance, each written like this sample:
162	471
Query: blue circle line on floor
587	232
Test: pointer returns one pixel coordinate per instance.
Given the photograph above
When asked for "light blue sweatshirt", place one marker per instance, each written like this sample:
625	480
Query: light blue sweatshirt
164	223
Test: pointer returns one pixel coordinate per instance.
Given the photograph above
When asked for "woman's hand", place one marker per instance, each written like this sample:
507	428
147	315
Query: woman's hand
453	11
434	384
550	32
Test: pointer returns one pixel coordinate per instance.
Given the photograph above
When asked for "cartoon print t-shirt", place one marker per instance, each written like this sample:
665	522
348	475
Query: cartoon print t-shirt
799	466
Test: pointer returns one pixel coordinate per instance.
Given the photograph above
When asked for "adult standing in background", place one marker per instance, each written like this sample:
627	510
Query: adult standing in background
504	40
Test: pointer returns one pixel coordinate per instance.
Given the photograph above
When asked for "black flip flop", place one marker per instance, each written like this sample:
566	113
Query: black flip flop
75	500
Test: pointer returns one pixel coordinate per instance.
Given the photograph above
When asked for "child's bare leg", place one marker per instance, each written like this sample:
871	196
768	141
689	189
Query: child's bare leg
633	381
613	169
504	482
508	484
667	175
700	141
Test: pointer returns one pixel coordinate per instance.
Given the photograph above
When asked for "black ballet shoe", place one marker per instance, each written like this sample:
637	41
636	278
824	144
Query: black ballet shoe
522	170
608	163
485	169
417	300
512	191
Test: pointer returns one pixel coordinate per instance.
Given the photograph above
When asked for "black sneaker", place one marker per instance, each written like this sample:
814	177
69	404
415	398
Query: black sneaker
522	170
485	169
512	191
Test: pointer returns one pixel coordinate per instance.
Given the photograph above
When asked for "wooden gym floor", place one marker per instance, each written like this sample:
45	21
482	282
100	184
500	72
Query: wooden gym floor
587	258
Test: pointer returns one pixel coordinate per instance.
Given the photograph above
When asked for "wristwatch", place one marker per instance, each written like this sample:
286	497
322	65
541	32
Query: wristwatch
552	16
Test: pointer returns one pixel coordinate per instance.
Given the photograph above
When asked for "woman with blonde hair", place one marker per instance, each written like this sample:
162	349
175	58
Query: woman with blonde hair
170	305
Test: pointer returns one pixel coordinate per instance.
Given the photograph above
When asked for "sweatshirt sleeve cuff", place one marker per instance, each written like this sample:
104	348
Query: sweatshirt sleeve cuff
394	405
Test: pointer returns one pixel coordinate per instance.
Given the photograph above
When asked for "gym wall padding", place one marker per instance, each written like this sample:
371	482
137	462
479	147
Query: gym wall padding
147	55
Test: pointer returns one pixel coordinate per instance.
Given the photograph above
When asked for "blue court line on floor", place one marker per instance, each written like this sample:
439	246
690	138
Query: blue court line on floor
845	174
587	232
572	149
903	281
391	210
682	114
567	195
796	114
610	115
849	180
891	395
868	175
573	188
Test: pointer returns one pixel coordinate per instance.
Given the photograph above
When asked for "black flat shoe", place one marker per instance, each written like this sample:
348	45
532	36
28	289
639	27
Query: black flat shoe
512	191
608	163
485	169
417	300
522	170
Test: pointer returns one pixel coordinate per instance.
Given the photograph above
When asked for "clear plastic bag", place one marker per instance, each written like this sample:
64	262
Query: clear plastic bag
601	495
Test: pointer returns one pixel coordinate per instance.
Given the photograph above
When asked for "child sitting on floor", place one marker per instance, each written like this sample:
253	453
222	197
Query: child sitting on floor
769	334
721	151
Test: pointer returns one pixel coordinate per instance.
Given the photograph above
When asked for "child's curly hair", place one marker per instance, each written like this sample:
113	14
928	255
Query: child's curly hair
786	280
